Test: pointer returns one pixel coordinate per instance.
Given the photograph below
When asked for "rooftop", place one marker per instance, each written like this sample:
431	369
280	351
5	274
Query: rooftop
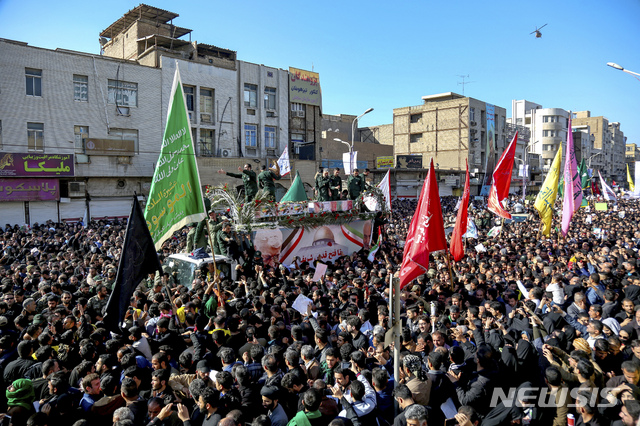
143	11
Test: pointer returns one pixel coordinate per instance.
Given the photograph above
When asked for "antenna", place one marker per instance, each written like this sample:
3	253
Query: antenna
463	82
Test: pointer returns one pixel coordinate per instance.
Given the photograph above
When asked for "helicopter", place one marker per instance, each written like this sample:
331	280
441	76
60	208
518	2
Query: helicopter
537	31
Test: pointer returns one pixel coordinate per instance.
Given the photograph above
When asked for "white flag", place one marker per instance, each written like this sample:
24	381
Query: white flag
607	192
636	189
347	164
385	187
283	162
472	230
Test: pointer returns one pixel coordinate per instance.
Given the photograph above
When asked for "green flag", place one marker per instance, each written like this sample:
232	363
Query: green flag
561	186
175	198
584	174
296	192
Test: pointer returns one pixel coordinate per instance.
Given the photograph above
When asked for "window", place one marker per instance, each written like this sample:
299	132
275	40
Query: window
269	137
250	135
416	137
0	133
34	81
415	118
126	135
472	114
123	93
297	110
270	98
526	120
81	134
80	88
189	98
550	119
206	142
35	136
206	105
250	95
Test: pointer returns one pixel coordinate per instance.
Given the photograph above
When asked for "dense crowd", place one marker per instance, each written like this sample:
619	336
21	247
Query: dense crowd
528	330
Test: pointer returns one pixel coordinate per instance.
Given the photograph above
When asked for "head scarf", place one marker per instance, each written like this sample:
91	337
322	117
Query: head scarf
22	395
613	325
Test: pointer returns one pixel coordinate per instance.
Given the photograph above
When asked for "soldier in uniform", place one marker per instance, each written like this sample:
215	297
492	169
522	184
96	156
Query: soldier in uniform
323	185
111	279
224	238
336	185
98	302
266	180
355	184
248	177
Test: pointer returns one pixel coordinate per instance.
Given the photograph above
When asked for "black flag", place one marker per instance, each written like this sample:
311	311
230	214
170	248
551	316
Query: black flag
137	260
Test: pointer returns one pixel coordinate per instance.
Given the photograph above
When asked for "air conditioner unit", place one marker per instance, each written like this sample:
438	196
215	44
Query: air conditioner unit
124	111
475	170
206	118
226	153
77	189
299	114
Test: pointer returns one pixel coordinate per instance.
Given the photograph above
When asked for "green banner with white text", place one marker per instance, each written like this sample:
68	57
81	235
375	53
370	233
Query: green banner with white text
175	198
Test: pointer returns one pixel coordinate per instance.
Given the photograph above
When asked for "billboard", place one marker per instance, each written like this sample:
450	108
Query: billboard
408	161
325	243
16	189
384	162
304	87
17	164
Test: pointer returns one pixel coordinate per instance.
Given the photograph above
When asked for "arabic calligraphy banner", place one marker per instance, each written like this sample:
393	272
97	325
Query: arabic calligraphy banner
304	87
175	197
326	243
36	165
29	189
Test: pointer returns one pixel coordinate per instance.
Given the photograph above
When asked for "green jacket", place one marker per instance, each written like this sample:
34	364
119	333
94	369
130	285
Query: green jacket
355	185
250	183
266	181
222	244
323	185
336	187
302	418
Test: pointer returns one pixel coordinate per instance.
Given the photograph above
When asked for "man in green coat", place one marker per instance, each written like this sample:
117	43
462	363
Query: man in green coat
267	178
310	416
224	238
248	177
336	185
323	185
355	184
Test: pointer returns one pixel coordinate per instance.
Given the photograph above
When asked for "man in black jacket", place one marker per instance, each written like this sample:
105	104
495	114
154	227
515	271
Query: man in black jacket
18	368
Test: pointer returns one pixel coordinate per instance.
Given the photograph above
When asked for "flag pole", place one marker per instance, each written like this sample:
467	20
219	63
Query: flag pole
213	256
450	272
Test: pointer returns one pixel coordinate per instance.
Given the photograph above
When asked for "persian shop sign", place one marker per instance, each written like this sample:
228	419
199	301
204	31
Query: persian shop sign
304	87
384	162
36	165
29	189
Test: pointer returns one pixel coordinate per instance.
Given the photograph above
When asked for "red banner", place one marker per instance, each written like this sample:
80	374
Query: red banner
457	248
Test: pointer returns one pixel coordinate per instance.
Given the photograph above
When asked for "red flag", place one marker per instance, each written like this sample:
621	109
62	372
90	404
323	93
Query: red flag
502	180
594	187
426	232
457	248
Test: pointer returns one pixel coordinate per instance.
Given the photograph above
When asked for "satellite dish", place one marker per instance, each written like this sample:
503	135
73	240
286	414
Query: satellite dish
103	41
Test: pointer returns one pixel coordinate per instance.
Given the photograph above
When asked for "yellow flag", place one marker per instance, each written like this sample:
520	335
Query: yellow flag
547	196
629	180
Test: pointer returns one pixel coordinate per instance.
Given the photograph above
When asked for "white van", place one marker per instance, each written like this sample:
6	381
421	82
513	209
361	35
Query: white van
186	267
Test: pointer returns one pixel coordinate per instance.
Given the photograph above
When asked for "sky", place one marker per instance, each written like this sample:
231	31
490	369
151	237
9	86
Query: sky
386	55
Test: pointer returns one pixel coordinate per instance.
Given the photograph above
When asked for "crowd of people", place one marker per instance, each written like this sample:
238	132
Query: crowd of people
528	330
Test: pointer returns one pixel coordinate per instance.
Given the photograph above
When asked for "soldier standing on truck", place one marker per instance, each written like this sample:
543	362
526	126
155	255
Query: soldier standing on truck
336	185
248	177
267	178
323	184
355	184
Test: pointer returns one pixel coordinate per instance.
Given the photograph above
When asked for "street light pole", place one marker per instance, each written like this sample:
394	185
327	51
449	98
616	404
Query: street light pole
589	159
353	136
350	147
621	68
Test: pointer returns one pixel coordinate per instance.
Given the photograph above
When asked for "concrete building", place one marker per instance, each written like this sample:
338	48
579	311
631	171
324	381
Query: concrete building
632	154
105	115
102	112
609	139
449	128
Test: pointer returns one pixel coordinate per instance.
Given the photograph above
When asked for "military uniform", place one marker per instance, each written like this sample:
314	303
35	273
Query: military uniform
355	185
222	245
323	187
250	184
96	305
266	181
336	187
